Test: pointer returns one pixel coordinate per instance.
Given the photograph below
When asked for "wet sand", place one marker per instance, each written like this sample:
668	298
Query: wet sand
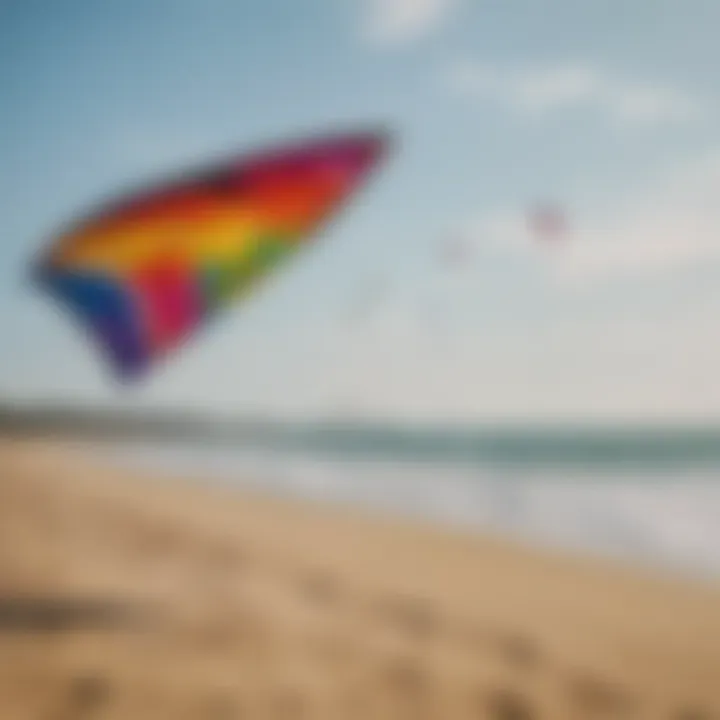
125	596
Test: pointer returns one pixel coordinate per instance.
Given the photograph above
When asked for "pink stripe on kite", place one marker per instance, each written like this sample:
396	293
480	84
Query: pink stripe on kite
170	304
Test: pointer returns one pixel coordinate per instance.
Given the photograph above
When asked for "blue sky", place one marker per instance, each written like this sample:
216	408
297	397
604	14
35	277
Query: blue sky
606	109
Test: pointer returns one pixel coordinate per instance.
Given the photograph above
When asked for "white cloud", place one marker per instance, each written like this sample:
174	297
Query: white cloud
675	224
395	21
541	90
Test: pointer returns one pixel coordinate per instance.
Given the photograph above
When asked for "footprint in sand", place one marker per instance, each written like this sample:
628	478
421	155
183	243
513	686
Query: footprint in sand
689	713
407	688
413	616
221	707
504	705
598	698
517	649
289	703
320	587
87	695
226	558
158	542
405	676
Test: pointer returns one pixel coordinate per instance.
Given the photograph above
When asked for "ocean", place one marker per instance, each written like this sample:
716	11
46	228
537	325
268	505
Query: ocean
644	497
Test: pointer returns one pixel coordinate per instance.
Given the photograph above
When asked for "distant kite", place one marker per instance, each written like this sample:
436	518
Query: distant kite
548	223
146	273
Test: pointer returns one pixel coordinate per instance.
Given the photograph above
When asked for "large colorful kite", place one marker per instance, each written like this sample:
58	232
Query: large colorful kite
146	273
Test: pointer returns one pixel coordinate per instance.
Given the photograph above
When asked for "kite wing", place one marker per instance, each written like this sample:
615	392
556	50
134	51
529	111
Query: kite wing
143	275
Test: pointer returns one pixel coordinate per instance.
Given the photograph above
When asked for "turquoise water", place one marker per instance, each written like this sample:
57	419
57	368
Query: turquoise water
599	448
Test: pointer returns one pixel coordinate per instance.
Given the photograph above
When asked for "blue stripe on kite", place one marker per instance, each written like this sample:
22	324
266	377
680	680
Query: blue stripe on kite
103	306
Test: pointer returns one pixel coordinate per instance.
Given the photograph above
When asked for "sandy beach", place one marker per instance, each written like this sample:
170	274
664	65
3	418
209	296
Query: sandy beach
127	596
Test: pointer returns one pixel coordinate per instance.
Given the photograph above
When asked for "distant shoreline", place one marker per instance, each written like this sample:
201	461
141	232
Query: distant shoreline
581	445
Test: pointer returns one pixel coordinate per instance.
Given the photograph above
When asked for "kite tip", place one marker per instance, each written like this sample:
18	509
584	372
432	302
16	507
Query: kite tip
378	137
383	135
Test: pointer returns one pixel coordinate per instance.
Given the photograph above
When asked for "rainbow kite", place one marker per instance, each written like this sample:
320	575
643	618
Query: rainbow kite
146	273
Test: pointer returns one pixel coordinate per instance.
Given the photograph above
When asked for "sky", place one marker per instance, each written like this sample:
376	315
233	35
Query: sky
608	111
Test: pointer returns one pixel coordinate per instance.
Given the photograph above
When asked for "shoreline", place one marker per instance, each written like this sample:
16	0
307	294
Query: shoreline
629	520
331	597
